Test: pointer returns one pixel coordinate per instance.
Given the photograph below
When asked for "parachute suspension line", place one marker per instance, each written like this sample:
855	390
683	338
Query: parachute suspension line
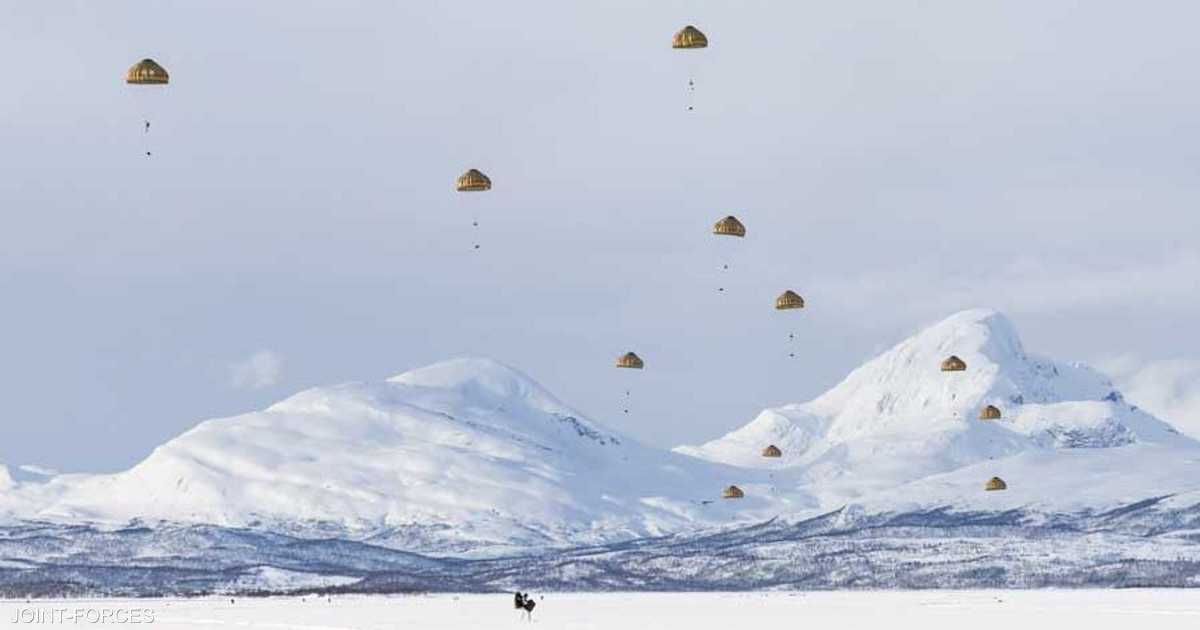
475	228
725	269
146	137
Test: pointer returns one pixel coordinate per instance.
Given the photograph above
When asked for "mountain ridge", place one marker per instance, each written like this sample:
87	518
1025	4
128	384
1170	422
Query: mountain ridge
471	454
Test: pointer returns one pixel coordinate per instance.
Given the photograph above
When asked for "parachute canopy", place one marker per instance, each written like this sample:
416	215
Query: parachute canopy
630	360
954	364
729	226
995	483
473	181
732	492
990	412
788	300
689	37
147	72
772	451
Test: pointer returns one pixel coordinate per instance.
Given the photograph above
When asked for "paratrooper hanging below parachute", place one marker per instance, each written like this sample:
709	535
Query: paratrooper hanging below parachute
146	72
632	361
690	38
789	300
729	226
473	181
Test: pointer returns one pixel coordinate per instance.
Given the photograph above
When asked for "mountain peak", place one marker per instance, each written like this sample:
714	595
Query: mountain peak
483	379
975	331
910	380
906	408
459	370
490	374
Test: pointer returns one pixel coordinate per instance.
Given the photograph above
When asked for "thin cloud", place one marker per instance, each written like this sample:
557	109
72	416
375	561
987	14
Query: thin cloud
38	470
260	370
1022	285
1167	388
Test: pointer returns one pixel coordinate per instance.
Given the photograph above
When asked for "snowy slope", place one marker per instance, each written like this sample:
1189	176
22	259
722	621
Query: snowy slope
471	455
900	418
463	452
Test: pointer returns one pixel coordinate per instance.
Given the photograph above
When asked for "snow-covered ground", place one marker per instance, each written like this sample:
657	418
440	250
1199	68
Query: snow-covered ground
979	610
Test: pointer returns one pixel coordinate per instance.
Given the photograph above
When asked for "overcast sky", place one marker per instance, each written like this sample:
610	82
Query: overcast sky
297	224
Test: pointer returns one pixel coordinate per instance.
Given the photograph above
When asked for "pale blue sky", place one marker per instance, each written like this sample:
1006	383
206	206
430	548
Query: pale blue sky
893	161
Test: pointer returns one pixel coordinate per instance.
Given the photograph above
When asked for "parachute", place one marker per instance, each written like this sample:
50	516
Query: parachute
632	361
690	38
787	301
990	412
954	364
995	483
147	72
732	492
729	226
473	181
772	451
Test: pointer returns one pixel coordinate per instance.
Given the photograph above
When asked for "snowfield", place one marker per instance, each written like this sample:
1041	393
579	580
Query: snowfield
951	610
467	475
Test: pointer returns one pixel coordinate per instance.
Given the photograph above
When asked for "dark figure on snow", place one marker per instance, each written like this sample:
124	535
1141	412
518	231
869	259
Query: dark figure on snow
529	604
518	601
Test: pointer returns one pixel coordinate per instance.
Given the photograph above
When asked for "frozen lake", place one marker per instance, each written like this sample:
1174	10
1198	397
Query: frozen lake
927	610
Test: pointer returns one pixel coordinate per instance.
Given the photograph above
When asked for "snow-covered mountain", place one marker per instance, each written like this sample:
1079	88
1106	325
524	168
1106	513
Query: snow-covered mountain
880	482
471	454
900	418
461	453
